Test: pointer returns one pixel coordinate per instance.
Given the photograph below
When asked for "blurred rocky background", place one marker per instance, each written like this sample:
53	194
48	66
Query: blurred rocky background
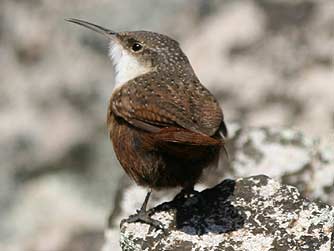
270	63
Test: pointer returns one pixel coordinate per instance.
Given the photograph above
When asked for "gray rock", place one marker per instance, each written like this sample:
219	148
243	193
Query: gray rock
255	213
286	155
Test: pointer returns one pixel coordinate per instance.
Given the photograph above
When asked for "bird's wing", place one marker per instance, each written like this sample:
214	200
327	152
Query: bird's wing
157	103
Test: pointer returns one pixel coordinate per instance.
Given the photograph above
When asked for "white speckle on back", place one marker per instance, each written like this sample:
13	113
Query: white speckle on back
127	67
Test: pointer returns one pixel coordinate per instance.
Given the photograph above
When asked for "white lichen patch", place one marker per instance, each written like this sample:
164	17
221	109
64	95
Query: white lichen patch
269	190
262	155
164	217
257	242
255	181
313	216
325	216
200	242
137	229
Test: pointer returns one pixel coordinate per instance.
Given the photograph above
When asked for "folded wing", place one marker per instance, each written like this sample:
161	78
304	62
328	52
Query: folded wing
158	103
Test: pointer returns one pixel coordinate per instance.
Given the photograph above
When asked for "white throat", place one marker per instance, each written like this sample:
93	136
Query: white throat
126	66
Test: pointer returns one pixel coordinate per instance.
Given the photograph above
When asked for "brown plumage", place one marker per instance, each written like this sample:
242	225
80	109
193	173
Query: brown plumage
164	138
165	126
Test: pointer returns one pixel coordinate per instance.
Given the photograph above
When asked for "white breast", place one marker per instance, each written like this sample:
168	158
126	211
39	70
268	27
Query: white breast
127	67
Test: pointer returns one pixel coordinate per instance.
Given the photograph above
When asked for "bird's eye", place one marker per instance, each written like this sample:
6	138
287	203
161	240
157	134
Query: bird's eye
136	46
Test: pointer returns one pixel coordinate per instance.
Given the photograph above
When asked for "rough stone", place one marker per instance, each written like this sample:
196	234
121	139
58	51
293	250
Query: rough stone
284	154
255	213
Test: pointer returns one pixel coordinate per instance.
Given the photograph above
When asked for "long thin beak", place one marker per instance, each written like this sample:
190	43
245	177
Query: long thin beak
94	27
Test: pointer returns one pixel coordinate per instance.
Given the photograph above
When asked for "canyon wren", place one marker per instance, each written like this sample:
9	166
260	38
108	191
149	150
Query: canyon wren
165	126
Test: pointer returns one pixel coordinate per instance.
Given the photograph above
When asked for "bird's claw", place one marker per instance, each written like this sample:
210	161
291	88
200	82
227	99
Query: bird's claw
144	217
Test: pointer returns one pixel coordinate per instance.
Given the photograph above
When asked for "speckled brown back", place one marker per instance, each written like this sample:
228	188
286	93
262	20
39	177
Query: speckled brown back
168	99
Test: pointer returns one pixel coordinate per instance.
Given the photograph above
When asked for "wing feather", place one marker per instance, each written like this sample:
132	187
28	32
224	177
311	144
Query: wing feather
167	102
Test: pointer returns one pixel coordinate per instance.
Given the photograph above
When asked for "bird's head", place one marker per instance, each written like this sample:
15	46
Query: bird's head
135	53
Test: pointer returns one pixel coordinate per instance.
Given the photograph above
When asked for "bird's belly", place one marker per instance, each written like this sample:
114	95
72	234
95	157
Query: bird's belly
148	165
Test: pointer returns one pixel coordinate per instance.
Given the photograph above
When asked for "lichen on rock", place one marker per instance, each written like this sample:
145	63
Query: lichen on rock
255	213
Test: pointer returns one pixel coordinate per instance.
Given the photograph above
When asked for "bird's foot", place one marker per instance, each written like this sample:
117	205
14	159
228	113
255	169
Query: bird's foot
144	217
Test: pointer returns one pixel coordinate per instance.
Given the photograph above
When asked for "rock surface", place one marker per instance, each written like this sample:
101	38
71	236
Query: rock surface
286	155
255	213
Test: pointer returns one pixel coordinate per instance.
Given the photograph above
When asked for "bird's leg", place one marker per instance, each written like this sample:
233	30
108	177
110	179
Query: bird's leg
186	192
144	205
143	215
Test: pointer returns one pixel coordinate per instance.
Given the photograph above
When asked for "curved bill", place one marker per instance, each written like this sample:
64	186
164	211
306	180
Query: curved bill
91	26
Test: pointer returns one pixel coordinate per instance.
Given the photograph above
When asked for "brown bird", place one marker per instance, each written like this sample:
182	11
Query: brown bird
165	126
